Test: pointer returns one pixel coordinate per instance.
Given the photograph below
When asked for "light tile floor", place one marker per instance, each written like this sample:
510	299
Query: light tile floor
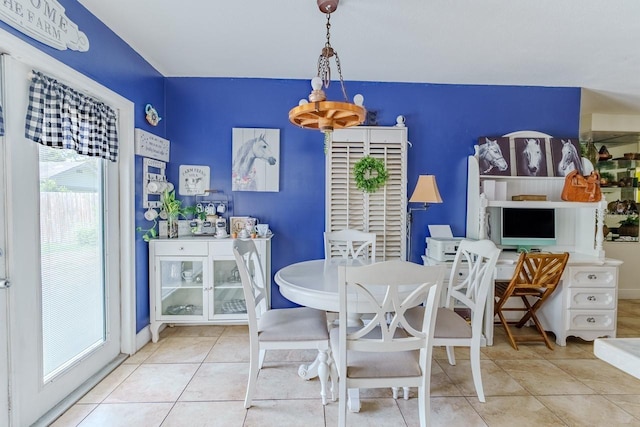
196	376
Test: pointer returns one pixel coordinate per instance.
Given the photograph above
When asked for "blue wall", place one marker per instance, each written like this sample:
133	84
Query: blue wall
444	121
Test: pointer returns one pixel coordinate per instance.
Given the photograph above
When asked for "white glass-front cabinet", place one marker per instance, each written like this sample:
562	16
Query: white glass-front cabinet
196	281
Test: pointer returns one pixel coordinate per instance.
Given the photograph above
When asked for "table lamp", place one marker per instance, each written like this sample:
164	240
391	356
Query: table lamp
426	191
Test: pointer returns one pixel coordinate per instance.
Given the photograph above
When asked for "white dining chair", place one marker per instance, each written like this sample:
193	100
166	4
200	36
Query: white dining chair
386	351
279	329
350	244
472	276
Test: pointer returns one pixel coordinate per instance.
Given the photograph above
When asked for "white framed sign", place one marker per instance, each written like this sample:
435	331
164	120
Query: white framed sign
194	180
152	146
44	21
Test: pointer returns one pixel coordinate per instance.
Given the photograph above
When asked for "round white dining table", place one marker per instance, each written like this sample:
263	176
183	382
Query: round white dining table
312	283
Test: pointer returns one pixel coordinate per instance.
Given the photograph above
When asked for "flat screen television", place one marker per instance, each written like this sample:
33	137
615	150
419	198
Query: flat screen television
528	227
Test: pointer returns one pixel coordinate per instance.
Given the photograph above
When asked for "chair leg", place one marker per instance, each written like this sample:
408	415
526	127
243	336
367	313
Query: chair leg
507	330
531	315
405	393
451	355
424	406
342	403
475	370
541	330
254	368
261	360
394	390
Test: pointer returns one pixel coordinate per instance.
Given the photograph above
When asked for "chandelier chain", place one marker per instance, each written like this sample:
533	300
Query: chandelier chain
324	65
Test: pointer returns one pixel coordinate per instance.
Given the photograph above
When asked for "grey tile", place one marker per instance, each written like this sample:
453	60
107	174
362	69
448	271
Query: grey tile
588	411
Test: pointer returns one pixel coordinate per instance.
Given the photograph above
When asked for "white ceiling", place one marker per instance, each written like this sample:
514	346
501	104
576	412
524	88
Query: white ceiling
581	43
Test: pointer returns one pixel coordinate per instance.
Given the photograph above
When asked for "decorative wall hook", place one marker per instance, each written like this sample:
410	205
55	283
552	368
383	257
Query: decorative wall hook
152	115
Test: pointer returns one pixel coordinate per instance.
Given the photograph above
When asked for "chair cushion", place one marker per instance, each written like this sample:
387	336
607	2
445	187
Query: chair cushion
449	324
363	364
293	324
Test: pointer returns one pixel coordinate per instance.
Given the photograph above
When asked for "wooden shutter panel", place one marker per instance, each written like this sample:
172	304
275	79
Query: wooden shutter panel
382	212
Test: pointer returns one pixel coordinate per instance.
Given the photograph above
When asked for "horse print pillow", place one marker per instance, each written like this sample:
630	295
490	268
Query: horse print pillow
493	156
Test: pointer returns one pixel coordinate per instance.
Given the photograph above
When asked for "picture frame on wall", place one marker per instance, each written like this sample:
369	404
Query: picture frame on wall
255	159
494	156
531	156
237	223
194	180
565	156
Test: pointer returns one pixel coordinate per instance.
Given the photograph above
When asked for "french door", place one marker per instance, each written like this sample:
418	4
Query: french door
4	330
63	260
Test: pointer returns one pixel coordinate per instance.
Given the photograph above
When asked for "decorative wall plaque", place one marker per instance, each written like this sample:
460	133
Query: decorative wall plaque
45	21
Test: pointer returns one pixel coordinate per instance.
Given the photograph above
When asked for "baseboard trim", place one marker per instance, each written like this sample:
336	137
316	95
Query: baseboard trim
628	293
143	337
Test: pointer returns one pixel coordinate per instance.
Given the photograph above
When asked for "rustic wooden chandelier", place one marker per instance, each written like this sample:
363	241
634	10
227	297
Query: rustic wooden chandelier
318	113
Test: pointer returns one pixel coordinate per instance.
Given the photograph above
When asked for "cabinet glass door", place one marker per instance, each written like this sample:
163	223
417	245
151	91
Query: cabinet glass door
181	288
228	296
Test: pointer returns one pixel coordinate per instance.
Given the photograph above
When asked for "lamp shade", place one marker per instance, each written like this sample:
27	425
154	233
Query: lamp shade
426	190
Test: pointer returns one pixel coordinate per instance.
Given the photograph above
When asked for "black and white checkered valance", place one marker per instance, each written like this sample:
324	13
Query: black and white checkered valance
61	117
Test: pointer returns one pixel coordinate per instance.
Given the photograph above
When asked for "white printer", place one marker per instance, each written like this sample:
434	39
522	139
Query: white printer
442	248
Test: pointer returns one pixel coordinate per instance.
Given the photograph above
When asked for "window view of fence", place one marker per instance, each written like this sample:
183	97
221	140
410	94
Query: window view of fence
72	257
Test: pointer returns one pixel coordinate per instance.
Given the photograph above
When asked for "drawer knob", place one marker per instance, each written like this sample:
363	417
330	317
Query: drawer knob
592	276
591	320
591	298
181	248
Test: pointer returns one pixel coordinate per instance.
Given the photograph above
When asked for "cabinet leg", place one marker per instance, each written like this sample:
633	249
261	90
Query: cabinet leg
154	327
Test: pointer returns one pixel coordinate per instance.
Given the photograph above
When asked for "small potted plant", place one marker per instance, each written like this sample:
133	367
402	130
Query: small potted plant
629	226
173	209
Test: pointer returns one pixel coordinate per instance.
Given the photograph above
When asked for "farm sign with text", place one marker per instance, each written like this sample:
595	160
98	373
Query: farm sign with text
45	21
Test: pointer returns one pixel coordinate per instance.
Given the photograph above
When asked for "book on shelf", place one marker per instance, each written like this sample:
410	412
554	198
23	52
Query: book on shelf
536	197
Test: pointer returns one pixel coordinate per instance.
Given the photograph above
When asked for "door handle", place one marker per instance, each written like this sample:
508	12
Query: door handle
4	283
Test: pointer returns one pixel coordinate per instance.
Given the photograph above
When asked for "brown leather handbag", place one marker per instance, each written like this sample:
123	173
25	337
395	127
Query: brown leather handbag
578	188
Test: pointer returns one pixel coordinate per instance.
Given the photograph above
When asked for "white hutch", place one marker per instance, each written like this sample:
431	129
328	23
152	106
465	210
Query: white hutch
585	303
195	280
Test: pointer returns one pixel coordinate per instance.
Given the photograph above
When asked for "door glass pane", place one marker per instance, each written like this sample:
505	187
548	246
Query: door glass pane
228	296
72	257
181	288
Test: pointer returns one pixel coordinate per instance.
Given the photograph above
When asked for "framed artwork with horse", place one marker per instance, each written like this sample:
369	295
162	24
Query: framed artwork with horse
518	154
531	156
565	155
494	156
256	159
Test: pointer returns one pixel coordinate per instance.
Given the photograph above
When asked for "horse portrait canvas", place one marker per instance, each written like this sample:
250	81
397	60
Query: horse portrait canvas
531	156
565	155
256	159
494	156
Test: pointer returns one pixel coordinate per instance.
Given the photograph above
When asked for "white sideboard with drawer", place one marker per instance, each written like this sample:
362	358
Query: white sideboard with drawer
195	280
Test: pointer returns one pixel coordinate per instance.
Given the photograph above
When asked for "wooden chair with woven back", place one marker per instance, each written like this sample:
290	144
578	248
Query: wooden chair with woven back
535	278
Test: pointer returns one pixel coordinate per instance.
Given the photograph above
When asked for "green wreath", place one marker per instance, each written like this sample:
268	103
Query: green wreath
370	174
